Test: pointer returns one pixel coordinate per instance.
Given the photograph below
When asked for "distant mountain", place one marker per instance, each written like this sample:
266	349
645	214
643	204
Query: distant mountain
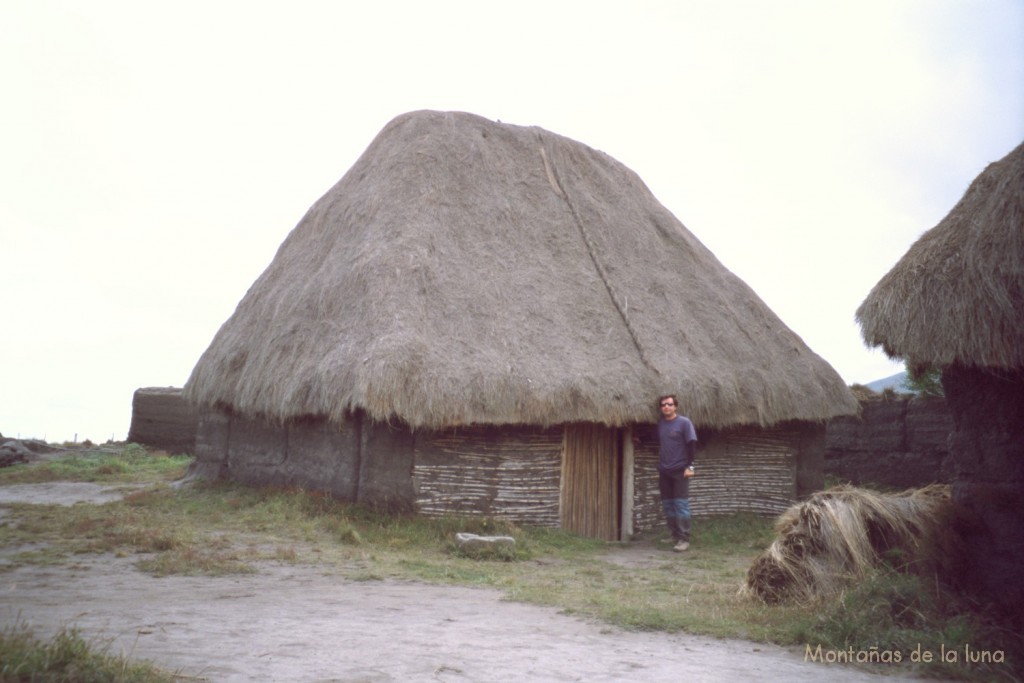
895	382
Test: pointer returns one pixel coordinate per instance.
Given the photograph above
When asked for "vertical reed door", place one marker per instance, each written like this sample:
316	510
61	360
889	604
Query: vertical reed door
591	481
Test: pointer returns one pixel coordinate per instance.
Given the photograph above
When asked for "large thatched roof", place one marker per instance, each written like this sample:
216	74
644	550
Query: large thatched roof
957	296
465	271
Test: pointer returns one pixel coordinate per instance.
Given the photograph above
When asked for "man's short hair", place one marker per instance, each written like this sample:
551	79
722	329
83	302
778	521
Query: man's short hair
671	396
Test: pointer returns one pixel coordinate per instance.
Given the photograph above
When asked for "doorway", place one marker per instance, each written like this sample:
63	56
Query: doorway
590	501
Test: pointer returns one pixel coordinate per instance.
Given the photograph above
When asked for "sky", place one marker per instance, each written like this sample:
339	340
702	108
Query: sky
153	156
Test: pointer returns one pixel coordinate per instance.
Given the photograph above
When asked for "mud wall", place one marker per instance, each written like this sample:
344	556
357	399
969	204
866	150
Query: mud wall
987	449
357	460
896	442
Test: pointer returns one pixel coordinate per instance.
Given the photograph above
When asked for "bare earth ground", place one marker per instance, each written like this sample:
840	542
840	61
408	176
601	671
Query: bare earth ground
297	623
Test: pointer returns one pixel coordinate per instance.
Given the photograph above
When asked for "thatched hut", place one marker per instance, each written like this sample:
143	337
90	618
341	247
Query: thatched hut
476	317
956	301
161	418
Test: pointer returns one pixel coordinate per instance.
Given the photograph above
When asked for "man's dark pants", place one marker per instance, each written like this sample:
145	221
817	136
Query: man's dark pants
675	502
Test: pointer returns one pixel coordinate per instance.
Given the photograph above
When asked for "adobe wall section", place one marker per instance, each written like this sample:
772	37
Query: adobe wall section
987	449
503	472
356	461
896	442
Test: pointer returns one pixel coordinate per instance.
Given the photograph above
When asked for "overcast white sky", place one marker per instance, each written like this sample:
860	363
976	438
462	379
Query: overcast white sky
154	155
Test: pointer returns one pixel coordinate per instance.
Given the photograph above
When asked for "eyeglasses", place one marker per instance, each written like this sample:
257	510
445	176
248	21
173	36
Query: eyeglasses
667	404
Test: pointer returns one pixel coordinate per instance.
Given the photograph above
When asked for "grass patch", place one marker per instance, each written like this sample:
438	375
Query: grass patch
193	559
124	463
898	612
221	528
67	658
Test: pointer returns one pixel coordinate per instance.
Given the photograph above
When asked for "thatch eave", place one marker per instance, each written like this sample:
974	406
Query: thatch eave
957	295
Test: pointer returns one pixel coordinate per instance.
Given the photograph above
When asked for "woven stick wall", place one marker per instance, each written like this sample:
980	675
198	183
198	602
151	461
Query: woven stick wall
509	473
747	469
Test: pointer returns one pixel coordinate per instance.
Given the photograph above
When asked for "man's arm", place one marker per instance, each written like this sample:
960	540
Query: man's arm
691	452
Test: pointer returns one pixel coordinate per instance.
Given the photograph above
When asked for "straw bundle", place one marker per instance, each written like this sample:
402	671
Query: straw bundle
835	536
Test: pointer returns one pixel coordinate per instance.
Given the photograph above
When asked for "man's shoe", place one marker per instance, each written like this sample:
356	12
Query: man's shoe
681	546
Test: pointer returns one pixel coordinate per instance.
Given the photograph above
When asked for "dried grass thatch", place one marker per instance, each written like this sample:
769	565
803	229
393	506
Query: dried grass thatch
837	535
465	271
863	393
957	296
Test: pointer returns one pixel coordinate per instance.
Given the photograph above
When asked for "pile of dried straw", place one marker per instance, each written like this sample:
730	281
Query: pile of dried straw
837	535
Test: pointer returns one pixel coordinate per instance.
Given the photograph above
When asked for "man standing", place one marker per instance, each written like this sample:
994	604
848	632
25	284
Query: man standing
677	441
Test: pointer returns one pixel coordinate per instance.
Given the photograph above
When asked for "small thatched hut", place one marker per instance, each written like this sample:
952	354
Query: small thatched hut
956	301
475	318
161	418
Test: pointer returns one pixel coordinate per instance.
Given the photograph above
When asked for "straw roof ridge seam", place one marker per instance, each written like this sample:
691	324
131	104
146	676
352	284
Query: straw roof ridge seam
553	177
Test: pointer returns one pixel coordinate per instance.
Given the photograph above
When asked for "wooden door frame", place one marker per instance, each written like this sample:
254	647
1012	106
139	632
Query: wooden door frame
627	483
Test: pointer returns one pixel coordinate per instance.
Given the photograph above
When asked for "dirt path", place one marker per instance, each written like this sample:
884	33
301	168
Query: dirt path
296	623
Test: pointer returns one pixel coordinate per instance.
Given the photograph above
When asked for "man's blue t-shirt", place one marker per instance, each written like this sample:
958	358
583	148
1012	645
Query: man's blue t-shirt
673	435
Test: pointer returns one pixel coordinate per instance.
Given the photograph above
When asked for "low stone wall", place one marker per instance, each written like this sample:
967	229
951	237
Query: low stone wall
898	442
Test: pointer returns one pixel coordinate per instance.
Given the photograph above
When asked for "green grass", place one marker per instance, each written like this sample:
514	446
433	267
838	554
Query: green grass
889	610
115	463
219	528
67	658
